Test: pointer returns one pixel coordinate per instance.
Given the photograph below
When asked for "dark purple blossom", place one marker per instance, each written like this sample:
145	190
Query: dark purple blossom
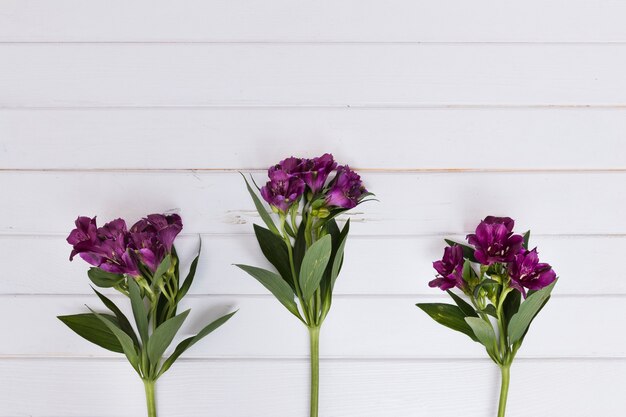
291	165
106	249
526	271
346	189
152	238
316	171
449	269
282	190
494	240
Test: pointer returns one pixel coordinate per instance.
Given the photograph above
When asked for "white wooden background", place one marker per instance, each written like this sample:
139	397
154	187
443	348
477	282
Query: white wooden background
451	109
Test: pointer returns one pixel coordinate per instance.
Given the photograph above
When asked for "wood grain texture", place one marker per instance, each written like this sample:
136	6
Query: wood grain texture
385	265
410	204
303	21
244	138
357	327
349	388
80	75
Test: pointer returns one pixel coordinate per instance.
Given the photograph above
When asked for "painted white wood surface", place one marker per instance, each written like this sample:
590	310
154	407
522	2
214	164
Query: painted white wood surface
123	108
374	388
320	21
101	75
236	138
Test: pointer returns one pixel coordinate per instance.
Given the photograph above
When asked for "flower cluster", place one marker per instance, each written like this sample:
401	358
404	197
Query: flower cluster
115	248
294	177
498	249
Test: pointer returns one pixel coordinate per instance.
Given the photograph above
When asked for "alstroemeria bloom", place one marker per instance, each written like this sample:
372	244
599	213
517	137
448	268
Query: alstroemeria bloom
494	240
449	269
527	272
108	251
153	237
291	165
346	189
282	190
316	171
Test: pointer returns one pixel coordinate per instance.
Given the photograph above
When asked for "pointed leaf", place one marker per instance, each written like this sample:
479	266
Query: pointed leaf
448	315
313	266
465	307
125	341
484	332
190	276
159	274
139	309
90	327
275	284
123	322
162	337
526	239
260	208
520	322
275	251
299	247
189	342
104	279
338	256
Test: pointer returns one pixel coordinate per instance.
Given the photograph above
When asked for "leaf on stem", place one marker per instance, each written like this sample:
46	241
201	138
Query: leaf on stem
125	341
190	276
520	322
450	316
465	307
313	266
104	279
91	328
123	322
275	250
260	208
139	310
276	285
162	337
484	332
187	343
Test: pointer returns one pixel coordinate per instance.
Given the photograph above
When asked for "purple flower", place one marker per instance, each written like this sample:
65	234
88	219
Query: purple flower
346	189
449	269
527	272
105	247
152	238
283	189
316	171
291	165
494	240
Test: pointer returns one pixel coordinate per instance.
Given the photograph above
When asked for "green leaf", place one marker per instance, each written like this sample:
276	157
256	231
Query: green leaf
275	284
190	276
484	332
313	266
104	279
260	208
511	306
163	267
520	322
162	337
139	309
465	307
526	239
125	341
468	251
189	342
484	282
275	250
338	257
123	322
90	327
448	315
491	310
299	247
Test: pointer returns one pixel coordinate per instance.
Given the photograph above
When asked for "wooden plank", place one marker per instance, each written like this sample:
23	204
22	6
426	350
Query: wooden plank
357	327
129	75
244	138
77	388
302	21
373	265
410	203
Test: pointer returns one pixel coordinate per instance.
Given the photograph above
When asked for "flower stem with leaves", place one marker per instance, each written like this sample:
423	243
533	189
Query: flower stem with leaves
494	273
307	256
142	264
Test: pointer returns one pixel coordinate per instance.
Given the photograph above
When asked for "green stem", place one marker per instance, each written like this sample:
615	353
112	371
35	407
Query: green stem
149	385
504	389
314	333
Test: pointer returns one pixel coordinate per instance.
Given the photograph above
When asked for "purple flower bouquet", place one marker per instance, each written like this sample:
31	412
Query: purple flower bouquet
306	246
506	285
141	263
